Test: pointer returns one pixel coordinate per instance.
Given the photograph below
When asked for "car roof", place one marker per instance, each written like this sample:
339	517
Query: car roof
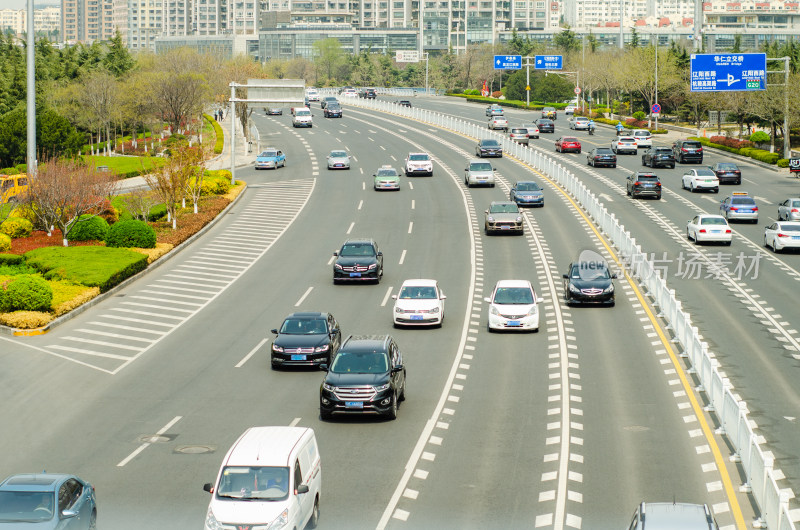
307	315
419	283
359	240
513	283
568	138
364	343
495	203
641	131
621	138
478	161
269	446
710	216
670	515
33	481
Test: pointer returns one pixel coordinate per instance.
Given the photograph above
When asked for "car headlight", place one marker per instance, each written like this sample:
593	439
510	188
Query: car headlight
609	289
490	219
211	521
398	309
435	310
329	388
280	521
337	266
277	348
519	219
381	388
573	289
493	310
532	311
373	266
322	348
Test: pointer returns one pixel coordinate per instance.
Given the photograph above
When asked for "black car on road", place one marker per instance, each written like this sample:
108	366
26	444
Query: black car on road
327	100
659	156
601	157
688	151
486	148
367	376
332	110
641	184
588	281
305	339
546	125
358	260
727	172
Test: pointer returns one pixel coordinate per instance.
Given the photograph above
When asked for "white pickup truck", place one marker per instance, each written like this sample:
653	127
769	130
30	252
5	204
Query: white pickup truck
301	117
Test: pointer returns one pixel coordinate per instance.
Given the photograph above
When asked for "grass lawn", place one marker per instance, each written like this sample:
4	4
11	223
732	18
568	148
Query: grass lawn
94	266
124	165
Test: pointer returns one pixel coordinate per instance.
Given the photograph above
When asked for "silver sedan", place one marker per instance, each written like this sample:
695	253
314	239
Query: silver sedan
789	210
338	159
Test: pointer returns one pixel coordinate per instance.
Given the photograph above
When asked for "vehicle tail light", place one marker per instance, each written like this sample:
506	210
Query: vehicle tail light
783	235
795	210
728	231
738	172
658	184
755	208
684	150
702	230
734	209
637	183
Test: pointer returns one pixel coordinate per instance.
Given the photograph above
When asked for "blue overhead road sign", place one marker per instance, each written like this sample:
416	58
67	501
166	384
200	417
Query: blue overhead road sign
723	72
548	62
508	62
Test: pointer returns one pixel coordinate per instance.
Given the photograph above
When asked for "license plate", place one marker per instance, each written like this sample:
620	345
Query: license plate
416	317
354	404
513	323
747	211
505	227
298	357
716	231
339	165
355	275
708	181
795	237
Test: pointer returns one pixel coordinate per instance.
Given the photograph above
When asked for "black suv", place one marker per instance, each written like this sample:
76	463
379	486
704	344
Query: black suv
305	339
642	184
369	93
659	156
367	376
688	151
589	282
333	110
358	260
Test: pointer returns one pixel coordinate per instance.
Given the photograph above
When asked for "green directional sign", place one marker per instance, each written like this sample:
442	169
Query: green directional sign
753	84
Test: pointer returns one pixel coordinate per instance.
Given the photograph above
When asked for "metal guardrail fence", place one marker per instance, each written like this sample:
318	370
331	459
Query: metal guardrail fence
731	412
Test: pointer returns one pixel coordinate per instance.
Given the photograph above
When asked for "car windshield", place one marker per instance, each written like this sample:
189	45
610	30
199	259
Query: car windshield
269	153
580	118
356	249
330	98
490	143
418	158
334	105
254	483
513	295
509	207
417	293
604	151
692	145
26	506
727	165
549	109
641	133
360	363
794	204
589	271
338	154
304	326
545	122
527	186
705	173
480	166
713	221
569	139
663	151
302	113
387	173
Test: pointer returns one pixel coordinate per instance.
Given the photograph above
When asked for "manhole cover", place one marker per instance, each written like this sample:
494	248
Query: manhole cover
155	438
195	449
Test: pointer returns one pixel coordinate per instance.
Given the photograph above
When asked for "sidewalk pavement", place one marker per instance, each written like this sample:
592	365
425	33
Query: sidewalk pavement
221	161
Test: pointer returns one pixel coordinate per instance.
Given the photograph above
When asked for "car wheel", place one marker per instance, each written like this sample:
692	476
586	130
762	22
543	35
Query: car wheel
314	520
335	281
728	243
688	235
489	328
324	416
776	247
643	162
614	166
403	390
392	414
691	189
628	192
93	521
715	190
491	185
766	243
579	151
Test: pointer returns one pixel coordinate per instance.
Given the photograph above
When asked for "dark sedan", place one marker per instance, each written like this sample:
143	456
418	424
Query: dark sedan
358	260
546	125
305	339
727	172
333	110
404	103
601	157
589	282
486	148
658	157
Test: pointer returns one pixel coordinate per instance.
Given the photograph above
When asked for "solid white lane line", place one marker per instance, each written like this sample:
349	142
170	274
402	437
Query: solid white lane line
360	204
308	291
361	169
386	296
350	229
294	422
145	445
251	353
402	257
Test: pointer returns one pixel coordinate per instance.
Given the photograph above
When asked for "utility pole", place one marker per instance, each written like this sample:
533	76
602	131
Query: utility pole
426	72
651	113
31	161
787	148
621	21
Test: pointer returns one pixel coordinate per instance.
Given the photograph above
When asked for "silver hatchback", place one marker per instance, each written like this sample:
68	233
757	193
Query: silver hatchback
479	172
519	135
789	210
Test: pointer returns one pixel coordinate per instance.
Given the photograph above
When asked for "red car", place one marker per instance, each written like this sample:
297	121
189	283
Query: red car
566	144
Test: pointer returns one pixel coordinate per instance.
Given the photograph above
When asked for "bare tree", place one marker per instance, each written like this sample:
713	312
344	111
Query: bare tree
197	156
169	180
139	202
180	87
99	98
63	191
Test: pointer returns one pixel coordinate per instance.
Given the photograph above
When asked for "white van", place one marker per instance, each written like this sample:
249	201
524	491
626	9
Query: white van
270	478
302	117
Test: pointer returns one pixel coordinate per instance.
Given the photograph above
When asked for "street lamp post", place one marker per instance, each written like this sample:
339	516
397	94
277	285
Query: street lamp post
426	72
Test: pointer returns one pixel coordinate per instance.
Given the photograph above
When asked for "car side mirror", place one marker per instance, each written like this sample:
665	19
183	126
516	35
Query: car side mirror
487	299
208	487
323	367
444	297
398	368
486	212
334	331
466	169
565	276
614	276
69	514
302	488
394	297
513	189
274	330
335	253
380	254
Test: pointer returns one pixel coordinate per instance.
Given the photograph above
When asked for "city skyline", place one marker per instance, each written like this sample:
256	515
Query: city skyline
23	4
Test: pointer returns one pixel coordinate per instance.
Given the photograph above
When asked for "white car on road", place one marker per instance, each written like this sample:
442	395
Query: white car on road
781	235
709	228
419	303
419	164
312	95
513	305
624	144
498	122
700	179
643	138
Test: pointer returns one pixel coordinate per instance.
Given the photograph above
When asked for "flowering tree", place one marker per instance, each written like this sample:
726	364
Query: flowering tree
63	190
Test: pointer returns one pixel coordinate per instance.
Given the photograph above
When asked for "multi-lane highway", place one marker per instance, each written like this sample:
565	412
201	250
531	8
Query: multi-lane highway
570	427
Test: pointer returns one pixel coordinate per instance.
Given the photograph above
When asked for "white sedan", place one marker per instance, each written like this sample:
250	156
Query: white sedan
513	305
709	228
781	235
624	144
419	303
700	179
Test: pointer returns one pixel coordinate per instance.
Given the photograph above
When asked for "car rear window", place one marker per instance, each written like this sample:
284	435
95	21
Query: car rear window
743	200
664	151
789	228
519	131
647	177
418	158
692	145
627	140
727	166
545	122
604	151
713	221
480	166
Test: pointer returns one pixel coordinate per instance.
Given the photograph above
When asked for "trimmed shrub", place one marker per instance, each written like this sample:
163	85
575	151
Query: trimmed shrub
88	228
5	243
24	212
109	212
93	266
639	115
26	293
783	162
9	171
10	259
759	137
67	297
25	319
15	227
131	234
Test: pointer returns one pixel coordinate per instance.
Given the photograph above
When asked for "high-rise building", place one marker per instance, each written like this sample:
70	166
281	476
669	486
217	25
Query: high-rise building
144	23
14	20
87	20
47	20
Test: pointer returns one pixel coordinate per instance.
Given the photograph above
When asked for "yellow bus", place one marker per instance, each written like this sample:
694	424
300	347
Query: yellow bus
13	187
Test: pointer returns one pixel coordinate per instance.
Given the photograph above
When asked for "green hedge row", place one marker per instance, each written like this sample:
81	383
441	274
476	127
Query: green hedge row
613	123
101	267
757	154
218	132
535	105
